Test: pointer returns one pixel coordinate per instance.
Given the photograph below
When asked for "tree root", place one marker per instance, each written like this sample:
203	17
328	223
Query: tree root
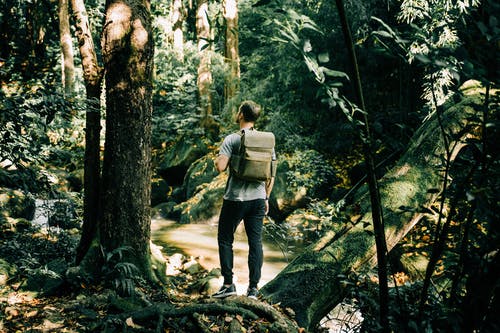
159	315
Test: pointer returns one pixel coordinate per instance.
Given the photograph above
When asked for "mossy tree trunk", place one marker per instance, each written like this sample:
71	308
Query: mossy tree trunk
92	75
311	284
127	43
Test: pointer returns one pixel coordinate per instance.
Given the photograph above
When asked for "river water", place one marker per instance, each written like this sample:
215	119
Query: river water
200	242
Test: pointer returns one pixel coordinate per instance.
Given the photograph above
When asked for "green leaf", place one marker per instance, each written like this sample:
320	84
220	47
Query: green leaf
333	73
323	57
423	58
382	34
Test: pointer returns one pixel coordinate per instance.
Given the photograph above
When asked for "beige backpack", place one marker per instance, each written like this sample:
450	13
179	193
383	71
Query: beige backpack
254	161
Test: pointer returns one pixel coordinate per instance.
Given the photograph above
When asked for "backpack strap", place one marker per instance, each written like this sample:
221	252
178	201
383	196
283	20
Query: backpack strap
241	132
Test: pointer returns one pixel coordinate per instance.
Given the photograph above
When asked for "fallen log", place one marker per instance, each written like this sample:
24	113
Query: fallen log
312	284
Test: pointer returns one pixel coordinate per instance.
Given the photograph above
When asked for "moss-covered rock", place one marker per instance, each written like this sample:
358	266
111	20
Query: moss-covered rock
205	205
179	157
300	177
15	203
202	171
160	191
165	210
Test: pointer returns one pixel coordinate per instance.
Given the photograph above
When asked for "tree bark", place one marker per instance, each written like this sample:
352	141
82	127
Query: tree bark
232	56
92	75
128	46
204	73
311	284
36	30
68	64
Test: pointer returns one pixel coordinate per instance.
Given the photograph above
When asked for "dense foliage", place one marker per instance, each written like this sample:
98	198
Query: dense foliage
412	56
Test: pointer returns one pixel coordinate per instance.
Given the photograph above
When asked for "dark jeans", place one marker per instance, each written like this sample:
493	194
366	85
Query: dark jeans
252	214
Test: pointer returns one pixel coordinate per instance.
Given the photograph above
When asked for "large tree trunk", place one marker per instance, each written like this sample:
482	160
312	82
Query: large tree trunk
311	284
68	64
232	56
127	44
92	75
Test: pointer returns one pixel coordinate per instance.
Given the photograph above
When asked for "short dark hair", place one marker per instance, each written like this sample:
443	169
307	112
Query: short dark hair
250	110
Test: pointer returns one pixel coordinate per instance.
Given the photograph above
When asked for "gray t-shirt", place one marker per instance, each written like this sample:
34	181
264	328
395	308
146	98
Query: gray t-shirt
238	189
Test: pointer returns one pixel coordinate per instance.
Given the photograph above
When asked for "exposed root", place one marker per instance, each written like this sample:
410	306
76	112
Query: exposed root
199	316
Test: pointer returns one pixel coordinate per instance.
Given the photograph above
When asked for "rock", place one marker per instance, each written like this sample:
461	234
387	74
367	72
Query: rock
176	260
213	285
178	158
192	267
17	204
300	177
202	171
159	191
47	279
164	210
174	264
204	207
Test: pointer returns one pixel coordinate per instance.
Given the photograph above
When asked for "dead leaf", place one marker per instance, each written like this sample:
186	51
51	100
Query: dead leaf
11	312
31	314
130	323
49	325
355	218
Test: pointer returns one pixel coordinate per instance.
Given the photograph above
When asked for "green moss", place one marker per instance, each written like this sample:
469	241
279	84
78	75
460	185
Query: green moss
206	204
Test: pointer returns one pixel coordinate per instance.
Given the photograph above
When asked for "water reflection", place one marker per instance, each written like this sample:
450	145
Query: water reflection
200	241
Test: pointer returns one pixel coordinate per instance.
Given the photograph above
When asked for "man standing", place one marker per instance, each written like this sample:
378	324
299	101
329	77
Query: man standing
243	200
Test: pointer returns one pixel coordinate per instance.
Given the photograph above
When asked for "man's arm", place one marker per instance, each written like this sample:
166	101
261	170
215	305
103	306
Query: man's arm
221	162
269	188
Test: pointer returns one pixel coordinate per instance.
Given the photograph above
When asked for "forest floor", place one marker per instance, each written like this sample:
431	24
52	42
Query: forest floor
87	307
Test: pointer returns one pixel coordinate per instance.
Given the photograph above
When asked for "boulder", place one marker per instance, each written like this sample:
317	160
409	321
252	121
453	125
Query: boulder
17	204
205	205
160	191
178	158
202	171
301	177
47	279
165	210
